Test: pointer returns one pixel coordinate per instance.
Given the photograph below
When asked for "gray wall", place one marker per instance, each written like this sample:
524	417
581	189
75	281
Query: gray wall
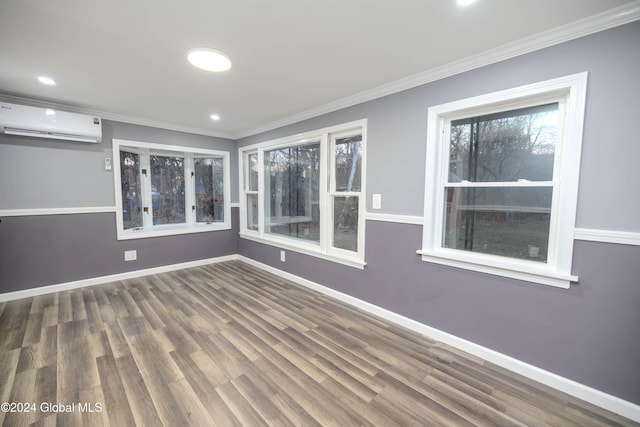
51	249
588	333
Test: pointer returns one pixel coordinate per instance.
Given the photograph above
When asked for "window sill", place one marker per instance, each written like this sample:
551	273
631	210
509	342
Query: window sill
305	248
171	230
515	269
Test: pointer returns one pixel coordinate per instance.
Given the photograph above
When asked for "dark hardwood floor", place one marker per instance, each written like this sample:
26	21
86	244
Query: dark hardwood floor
231	345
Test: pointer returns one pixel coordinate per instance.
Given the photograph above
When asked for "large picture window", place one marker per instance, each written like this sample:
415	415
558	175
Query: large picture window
306	193
502	179
165	190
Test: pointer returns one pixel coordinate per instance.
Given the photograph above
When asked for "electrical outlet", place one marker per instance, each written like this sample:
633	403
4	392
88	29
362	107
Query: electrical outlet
282	256
130	255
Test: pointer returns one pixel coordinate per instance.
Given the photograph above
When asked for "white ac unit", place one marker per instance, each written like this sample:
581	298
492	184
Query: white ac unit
49	123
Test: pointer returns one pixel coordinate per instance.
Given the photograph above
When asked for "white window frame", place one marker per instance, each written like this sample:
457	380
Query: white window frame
570	92
324	249
145	149
333	193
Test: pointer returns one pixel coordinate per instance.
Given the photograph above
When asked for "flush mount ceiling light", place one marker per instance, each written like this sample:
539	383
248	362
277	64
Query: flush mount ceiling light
47	81
465	2
208	59
215	117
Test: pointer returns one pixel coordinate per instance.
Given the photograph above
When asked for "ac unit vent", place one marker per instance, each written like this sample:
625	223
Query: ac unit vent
48	123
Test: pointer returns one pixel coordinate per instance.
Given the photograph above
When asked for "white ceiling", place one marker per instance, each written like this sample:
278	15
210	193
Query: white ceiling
126	60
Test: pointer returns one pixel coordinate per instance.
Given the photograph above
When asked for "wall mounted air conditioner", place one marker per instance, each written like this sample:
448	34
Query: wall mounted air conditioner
49	123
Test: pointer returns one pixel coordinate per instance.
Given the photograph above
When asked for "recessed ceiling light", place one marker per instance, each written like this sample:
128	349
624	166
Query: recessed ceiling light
215	117
208	59
46	81
465	2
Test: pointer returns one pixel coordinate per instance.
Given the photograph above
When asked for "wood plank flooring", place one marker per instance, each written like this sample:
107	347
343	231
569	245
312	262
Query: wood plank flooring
231	345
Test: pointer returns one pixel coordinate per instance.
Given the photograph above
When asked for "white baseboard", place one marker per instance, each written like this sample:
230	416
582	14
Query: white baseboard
573	388
43	290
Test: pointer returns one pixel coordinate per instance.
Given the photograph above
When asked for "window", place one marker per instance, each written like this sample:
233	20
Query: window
291	195
305	193
165	190
502	180
346	190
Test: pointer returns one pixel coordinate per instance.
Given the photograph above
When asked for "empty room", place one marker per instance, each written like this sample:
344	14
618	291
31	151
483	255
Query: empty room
294	213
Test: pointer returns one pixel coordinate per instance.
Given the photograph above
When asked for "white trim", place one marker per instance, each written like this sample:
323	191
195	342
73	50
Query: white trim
305	248
173	230
235	205
400	219
47	289
565	385
581	28
528	271
608	236
56	211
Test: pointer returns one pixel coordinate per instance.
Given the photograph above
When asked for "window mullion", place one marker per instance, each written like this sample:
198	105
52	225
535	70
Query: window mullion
331	192
262	191
145	179
326	180
243	168
362	204
244	190
190	188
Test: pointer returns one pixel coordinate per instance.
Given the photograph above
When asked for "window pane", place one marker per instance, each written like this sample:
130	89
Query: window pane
167	189
292	178
252	212
510	222
209	182
348	163
131	195
510	146
252	181
345	223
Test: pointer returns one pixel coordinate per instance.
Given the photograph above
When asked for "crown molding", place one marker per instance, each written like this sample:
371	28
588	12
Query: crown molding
584	27
594	24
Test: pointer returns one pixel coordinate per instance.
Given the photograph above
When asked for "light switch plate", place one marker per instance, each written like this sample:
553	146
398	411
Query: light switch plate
377	201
